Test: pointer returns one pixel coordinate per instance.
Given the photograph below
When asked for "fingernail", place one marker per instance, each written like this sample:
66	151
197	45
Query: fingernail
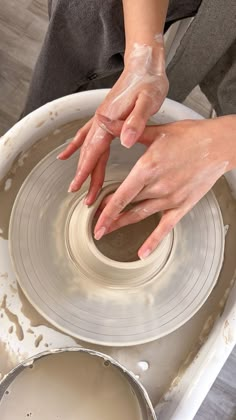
99	234
59	156
86	201
72	187
145	254
128	137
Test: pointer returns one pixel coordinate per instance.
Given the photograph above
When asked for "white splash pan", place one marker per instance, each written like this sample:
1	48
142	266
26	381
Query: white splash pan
177	370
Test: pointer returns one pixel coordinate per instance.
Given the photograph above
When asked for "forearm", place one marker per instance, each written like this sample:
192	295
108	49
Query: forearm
144	22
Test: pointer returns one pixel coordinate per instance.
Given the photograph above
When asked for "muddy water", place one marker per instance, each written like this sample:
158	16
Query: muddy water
71	386
13	318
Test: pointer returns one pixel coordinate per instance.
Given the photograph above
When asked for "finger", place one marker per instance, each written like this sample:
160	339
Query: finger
126	192
97	179
105	201
139	212
135	124
150	192
76	143
158	189
115	126
136	199
97	142
168	221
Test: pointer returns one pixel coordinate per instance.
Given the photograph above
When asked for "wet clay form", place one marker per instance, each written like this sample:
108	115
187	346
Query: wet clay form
99	291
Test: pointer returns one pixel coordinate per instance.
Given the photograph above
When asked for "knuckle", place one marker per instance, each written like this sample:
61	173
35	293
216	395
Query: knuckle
134	120
119	203
137	213
177	198
134	218
164	188
76	138
81	132
146	168
84	148
147	90
140	168
147	95
152	164
99	184
102	108
82	173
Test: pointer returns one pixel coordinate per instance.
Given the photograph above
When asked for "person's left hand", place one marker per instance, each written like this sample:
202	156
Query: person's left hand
181	164
138	94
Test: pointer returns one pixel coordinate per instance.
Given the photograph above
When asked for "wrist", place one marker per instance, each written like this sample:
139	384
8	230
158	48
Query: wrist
230	129
224	131
149	38
146	57
143	20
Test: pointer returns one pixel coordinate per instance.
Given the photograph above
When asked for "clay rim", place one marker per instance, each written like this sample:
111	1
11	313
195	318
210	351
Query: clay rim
85	225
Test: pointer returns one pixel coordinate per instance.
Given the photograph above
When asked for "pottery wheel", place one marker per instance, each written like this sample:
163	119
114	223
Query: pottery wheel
99	291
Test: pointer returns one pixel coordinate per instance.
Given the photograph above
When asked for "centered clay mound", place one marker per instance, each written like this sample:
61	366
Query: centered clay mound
100	292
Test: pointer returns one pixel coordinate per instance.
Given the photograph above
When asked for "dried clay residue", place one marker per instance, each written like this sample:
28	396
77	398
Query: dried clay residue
38	340
13	318
40	123
228	334
10	329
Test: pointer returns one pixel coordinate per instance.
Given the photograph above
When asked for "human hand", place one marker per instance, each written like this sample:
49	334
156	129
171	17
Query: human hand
181	164
136	96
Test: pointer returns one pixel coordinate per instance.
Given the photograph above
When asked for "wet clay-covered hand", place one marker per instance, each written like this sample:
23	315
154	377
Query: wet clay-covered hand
138	94
182	162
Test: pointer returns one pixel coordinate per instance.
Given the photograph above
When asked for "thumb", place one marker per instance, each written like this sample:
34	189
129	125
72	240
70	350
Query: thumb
114	127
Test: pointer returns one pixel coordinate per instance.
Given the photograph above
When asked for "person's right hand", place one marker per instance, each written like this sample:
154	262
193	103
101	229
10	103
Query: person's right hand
138	94
182	162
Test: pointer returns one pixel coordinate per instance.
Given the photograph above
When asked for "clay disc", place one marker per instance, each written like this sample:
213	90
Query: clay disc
98	298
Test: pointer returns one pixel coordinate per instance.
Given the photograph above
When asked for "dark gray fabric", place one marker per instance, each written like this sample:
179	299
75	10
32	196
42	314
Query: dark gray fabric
207	56
84	41
180	9
219	85
84	46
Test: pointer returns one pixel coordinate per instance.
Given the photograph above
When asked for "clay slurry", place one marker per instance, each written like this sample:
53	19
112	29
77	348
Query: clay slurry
72	386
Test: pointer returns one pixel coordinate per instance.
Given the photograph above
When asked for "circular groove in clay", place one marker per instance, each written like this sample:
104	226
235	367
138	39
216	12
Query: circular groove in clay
87	294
